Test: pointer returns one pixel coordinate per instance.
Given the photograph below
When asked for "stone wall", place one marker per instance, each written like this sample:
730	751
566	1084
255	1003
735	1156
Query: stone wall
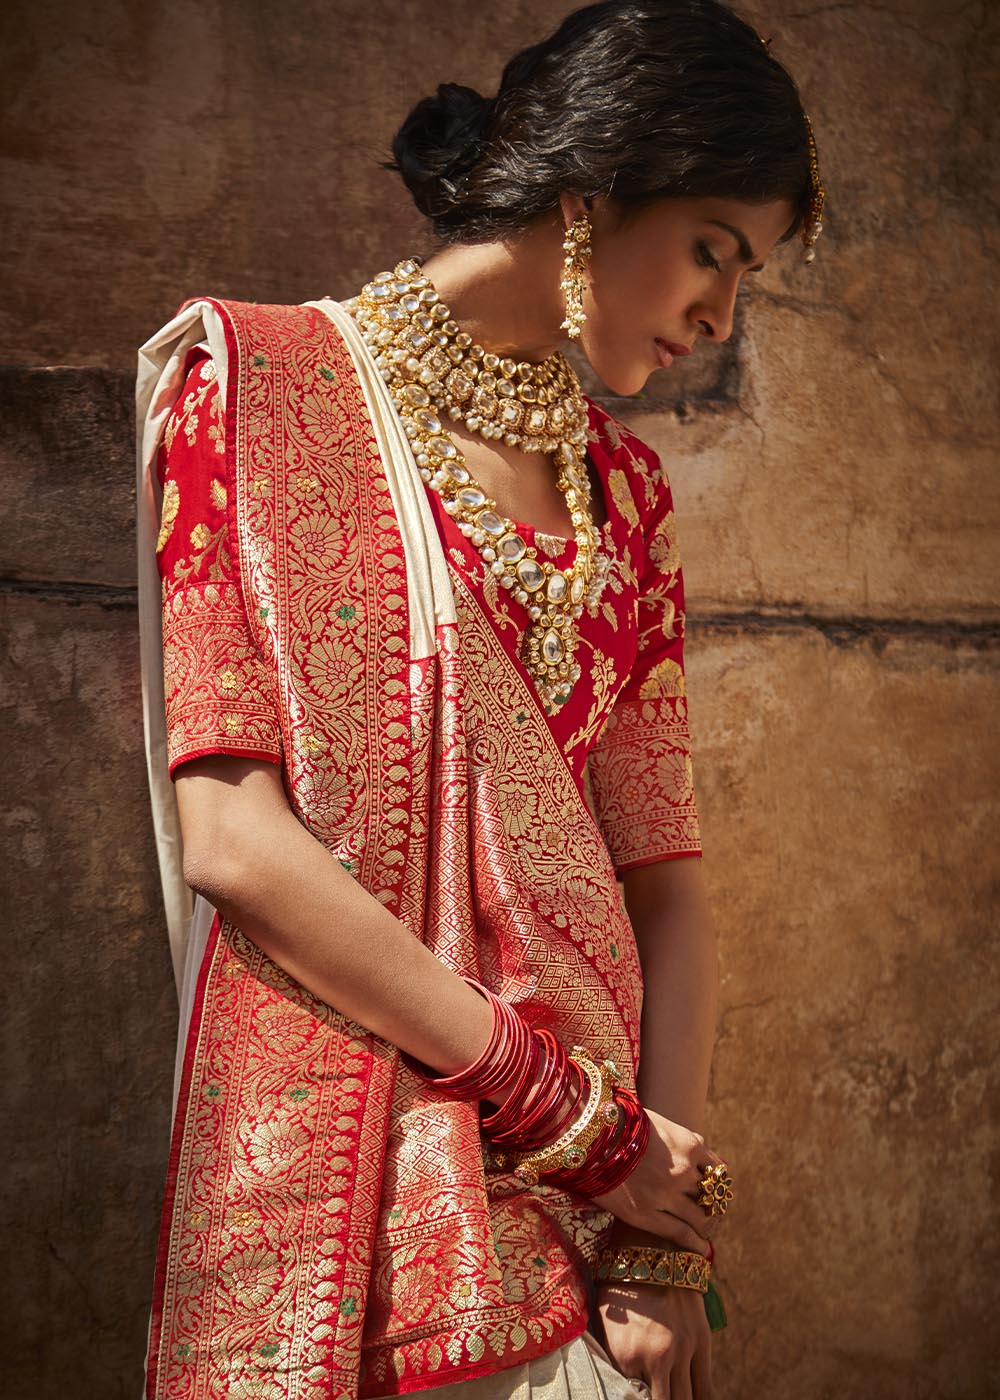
835	472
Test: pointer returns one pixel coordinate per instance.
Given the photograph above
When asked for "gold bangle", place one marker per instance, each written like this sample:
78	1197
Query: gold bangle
570	1150
670	1268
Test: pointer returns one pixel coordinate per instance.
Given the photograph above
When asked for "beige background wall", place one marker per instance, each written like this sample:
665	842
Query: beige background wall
835	468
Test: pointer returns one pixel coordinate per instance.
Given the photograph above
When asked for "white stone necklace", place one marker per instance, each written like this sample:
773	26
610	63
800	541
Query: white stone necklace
431	366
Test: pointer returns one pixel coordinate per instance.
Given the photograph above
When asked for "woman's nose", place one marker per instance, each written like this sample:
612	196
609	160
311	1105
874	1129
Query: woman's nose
716	320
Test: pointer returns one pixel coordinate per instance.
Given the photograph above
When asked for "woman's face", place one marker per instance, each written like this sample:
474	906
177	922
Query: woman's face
670	272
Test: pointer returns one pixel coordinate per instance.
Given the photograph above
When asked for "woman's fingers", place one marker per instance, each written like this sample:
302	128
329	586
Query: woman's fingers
671	1197
674	1231
701	1372
680	1379
695	1215
698	1170
663	1193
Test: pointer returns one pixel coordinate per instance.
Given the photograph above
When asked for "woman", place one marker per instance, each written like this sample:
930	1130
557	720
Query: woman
415	704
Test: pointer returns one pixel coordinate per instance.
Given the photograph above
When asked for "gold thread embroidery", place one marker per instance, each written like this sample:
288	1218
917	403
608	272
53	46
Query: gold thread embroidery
663	547
622	496
218	692
666	678
168	514
211	556
604	681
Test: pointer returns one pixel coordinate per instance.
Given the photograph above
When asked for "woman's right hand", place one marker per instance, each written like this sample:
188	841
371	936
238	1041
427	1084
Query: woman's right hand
661	1194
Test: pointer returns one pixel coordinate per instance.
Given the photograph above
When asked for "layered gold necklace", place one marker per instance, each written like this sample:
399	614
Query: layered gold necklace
431	366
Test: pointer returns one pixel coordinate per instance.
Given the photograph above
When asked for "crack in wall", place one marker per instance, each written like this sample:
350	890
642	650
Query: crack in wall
846	630
102	595
839	629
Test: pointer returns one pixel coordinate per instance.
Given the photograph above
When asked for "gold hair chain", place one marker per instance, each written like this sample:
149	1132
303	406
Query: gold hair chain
812	228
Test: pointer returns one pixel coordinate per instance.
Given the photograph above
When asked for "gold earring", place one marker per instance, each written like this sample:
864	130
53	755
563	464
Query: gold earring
578	250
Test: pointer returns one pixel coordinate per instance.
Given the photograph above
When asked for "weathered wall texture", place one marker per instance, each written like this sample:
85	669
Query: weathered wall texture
835	470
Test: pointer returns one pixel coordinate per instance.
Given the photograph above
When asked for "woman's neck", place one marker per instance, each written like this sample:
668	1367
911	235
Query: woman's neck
505	294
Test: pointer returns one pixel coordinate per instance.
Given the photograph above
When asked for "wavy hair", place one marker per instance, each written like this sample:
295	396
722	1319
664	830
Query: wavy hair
640	99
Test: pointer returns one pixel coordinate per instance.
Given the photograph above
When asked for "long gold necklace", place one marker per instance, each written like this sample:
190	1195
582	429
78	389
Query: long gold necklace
431	366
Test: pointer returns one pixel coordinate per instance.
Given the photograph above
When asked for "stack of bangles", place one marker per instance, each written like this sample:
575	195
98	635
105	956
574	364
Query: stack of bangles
565	1116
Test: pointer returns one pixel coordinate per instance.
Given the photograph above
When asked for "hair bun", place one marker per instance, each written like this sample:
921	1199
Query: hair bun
438	142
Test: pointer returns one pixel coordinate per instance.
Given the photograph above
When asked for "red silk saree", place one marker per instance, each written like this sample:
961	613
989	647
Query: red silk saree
328	1227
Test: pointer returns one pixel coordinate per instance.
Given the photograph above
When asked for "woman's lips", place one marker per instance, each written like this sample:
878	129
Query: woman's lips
668	350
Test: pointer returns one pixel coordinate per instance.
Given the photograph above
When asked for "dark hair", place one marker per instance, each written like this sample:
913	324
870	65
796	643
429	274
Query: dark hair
639	99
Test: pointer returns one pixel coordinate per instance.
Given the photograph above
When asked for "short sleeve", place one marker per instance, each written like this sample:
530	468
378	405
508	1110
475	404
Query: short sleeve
218	690
639	768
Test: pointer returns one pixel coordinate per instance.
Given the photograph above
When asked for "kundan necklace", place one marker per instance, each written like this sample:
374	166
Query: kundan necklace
431	366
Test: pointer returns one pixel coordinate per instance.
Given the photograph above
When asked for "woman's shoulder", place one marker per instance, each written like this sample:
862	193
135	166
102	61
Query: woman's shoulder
247	311
253	335
636	463
222	299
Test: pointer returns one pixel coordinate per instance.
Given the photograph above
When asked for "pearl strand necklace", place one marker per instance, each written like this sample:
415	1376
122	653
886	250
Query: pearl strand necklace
430	364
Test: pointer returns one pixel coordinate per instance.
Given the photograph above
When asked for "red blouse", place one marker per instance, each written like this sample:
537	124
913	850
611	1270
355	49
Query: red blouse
623	730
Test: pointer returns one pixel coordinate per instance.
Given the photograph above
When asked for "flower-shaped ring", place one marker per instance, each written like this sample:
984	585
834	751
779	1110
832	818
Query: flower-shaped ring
716	1190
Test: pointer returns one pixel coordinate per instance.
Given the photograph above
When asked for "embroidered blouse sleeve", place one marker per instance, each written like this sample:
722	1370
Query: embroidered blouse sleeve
640	768
219	693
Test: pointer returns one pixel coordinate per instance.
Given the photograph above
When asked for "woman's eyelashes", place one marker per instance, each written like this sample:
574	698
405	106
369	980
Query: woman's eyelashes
705	256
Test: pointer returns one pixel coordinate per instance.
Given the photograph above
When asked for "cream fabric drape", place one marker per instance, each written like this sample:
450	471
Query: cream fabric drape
580	1370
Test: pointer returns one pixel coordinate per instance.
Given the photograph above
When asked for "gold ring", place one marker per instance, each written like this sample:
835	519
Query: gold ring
716	1190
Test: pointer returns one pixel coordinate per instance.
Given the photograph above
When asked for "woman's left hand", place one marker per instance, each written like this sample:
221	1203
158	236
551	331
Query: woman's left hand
658	1335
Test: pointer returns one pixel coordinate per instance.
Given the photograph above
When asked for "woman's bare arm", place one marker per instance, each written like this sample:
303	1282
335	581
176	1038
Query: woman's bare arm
247	853
668	905
663	1332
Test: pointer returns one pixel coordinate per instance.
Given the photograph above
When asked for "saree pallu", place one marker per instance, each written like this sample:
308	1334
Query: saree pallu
328	1229
328	1225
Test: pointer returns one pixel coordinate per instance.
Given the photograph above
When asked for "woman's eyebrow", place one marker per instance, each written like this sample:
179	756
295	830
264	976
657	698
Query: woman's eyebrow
747	254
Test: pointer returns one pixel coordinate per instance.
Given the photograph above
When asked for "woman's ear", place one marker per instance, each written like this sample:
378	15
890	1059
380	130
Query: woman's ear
572	205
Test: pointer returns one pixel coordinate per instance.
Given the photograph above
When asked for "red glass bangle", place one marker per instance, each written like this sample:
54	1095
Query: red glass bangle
625	1159
496	1067
543	1105
523	1074
543	1111
515	1037
572	1093
518	1115
614	1163
552	1119
549	1110
600	1150
510	1108
509	1113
